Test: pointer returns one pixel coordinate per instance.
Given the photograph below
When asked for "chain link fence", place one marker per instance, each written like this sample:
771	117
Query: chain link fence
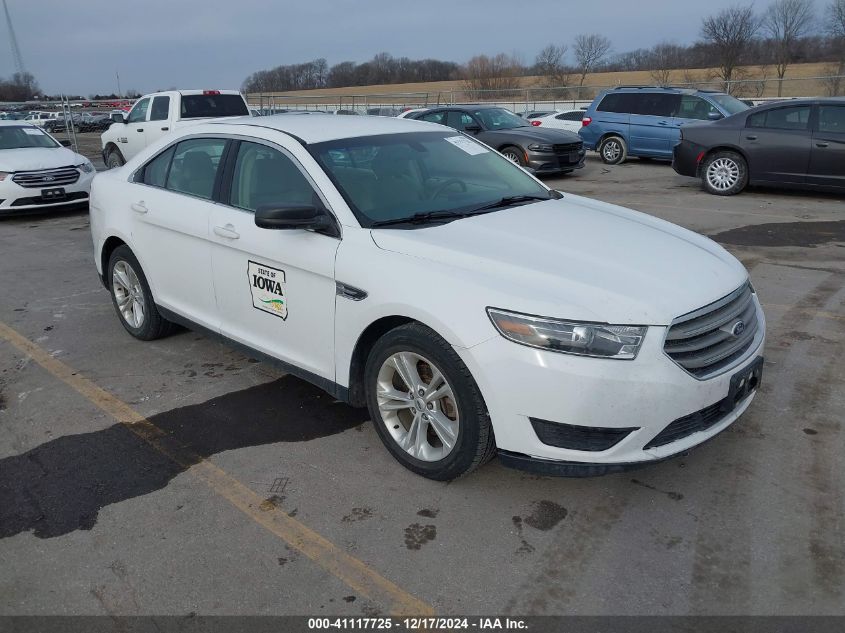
523	99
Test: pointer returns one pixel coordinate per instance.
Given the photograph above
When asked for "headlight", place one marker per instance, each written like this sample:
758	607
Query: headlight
87	167
537	147
3	175
569	337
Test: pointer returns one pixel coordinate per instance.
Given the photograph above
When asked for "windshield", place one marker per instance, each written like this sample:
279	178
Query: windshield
393	176
213	105
500	119
23	136
729	104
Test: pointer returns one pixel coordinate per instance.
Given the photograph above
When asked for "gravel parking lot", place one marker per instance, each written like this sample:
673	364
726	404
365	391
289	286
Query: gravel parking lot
180	477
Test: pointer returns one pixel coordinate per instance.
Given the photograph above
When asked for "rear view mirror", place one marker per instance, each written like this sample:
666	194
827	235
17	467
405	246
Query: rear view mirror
472	129
65	143
715	116
117	117
286	217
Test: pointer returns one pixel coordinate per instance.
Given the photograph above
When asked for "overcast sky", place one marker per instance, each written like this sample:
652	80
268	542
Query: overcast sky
76	47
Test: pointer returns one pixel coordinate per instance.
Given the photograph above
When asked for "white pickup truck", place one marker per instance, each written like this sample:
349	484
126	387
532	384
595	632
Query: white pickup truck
157	114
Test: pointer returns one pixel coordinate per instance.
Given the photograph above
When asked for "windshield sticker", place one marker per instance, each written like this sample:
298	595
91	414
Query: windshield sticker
470	147
267	286
32	131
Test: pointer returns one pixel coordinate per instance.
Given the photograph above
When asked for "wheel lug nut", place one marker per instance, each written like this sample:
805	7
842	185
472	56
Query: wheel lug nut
430	406
425	417
421	392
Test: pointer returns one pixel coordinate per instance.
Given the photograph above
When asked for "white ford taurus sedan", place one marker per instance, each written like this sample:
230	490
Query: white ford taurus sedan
37	173
405	267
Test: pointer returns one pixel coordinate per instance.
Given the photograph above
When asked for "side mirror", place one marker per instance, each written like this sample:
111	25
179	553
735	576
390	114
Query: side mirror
715	116
118	117
285	217
472	129
65	143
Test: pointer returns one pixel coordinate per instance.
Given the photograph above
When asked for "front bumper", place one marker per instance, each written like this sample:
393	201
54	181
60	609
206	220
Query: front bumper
646	395
548	163
15	199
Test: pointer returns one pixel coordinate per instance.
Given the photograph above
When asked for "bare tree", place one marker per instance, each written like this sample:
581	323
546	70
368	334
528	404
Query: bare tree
501	72
589	51
729	33
551	66
785	22
836	29
661	60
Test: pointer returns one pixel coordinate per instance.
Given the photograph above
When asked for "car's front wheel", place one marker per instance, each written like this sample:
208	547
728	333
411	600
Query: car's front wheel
613	150
425	404
515	155
724	173
132	297
114	159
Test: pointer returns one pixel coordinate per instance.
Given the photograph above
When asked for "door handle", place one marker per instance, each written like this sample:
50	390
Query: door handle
140	129
164	129
822	144
227	231
662	123
751	137
139	207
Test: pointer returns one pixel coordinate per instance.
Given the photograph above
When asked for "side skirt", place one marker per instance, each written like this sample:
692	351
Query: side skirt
329	386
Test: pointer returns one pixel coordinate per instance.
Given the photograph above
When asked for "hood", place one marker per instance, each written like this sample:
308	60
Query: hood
33	158
540	135
579	259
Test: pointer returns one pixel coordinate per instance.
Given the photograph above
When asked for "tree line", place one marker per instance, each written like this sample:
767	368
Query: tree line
784	33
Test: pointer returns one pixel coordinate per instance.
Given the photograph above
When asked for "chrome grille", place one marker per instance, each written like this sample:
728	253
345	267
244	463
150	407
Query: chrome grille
46	177
568	147
705	342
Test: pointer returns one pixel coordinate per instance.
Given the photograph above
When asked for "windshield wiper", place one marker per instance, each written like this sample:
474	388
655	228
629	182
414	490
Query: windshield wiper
424	218
509	200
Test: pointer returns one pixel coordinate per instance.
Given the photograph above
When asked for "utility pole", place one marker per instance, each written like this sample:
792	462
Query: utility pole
13	41
116	74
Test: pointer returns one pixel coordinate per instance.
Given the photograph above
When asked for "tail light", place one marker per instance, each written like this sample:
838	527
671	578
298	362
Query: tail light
211	92
586	121
536	123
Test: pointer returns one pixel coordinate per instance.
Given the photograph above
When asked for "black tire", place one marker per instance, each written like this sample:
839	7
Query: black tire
114	159
613	150
514	154
475	444
153	325
724	173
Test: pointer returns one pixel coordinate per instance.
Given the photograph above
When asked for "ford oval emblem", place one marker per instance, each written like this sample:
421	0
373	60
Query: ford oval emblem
738	328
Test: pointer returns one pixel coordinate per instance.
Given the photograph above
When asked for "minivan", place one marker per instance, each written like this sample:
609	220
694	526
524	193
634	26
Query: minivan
646	121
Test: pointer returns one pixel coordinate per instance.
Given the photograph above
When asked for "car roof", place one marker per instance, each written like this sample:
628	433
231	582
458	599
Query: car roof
804	101
15	123
666	89
318	129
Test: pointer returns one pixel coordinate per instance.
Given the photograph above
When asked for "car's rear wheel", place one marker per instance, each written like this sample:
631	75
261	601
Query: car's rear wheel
514	154
613	150
426	407
724	173
114	159
132	297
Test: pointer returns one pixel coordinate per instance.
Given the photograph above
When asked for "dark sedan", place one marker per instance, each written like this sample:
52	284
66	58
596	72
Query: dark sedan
797	143
541	150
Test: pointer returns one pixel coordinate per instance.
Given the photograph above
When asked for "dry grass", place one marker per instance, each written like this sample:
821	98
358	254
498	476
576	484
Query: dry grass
761	83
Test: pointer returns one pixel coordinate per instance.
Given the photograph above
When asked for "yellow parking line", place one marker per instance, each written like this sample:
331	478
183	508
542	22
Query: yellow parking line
355	573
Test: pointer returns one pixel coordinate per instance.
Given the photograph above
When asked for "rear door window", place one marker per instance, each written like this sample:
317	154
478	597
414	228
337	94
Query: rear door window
789	118
832	119
194	166
657	104
620	102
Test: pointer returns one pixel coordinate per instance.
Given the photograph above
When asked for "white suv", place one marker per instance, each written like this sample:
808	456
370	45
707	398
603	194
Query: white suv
401	265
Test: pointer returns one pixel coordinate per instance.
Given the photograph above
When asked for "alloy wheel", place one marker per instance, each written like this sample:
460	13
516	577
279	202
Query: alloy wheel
723	173
129	294
417	406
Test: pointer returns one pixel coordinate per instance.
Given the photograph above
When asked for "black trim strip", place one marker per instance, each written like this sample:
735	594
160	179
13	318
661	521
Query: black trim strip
329	386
